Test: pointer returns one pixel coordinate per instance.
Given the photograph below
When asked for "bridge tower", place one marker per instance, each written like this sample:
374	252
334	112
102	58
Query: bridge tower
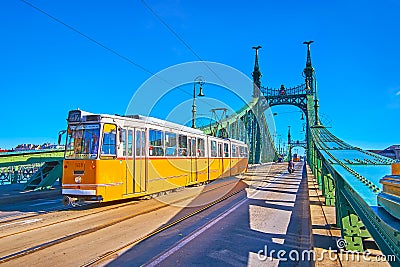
303	96
255	131
249	123
256	74
309	70
310	81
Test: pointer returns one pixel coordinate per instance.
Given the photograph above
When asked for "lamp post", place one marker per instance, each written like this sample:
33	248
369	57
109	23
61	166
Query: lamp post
279	143
199	80
276	136
289	147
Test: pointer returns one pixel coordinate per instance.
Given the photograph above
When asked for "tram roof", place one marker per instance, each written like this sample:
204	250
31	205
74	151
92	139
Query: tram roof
145	119
163	123
149	120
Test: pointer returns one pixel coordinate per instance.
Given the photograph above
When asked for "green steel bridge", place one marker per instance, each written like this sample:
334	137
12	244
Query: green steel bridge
348	176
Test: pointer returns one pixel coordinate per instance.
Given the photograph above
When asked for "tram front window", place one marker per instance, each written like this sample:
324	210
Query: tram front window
82	141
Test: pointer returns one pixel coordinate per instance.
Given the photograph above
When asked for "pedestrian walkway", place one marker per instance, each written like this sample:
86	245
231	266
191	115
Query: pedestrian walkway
323	219
325	234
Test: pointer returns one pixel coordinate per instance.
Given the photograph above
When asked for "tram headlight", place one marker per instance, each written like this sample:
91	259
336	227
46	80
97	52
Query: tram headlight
78	179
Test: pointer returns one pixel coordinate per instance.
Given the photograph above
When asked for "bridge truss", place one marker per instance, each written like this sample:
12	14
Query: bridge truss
250	126
348	176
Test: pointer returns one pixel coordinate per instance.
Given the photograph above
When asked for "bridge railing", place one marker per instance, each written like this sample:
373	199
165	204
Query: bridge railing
349	180
22	166
18	174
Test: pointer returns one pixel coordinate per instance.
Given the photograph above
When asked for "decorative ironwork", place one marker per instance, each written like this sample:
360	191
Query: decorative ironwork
298	143
296	96
248	125
282	91
216	127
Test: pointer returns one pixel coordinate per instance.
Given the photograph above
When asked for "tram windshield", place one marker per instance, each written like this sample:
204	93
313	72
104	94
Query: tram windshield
82	141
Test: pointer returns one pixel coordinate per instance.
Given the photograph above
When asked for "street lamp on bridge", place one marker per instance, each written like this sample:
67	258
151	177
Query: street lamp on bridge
200	81
289	147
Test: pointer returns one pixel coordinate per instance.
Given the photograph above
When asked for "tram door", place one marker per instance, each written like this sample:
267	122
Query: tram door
129	153
220	159
139	161
193	162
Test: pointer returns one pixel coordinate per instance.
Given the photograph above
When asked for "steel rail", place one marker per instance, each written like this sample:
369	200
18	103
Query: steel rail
42	246
110	254
159	230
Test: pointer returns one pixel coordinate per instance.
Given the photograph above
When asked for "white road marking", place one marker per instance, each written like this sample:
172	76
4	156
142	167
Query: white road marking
209	225
44	203
21	222
195	234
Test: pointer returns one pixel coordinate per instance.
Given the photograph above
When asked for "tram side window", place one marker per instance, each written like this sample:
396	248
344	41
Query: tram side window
241	152
156	147
200	147
214	152
183	148
226	150
130	141
192	148
140	143
170	144
234	151
143	144
109	140
123	141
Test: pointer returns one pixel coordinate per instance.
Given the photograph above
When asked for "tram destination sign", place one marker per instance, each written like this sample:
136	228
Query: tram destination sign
74	116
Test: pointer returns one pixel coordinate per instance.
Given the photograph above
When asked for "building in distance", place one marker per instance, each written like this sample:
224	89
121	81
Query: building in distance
392	152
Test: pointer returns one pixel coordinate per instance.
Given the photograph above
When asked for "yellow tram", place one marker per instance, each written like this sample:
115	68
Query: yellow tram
111	157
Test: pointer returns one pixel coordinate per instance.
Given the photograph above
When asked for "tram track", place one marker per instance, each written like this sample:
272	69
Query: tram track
41	212
92	213
13	218
30	215
64	220
108	256
81	233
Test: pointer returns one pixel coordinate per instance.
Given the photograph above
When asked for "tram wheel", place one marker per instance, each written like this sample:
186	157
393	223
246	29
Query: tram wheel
68	201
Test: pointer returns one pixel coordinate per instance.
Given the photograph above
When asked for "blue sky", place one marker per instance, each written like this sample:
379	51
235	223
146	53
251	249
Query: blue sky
47	68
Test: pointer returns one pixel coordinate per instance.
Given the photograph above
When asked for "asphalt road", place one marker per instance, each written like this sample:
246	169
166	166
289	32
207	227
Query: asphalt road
271	217
29	207
270	213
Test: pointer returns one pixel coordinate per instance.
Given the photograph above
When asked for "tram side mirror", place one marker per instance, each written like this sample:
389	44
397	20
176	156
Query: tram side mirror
60	134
